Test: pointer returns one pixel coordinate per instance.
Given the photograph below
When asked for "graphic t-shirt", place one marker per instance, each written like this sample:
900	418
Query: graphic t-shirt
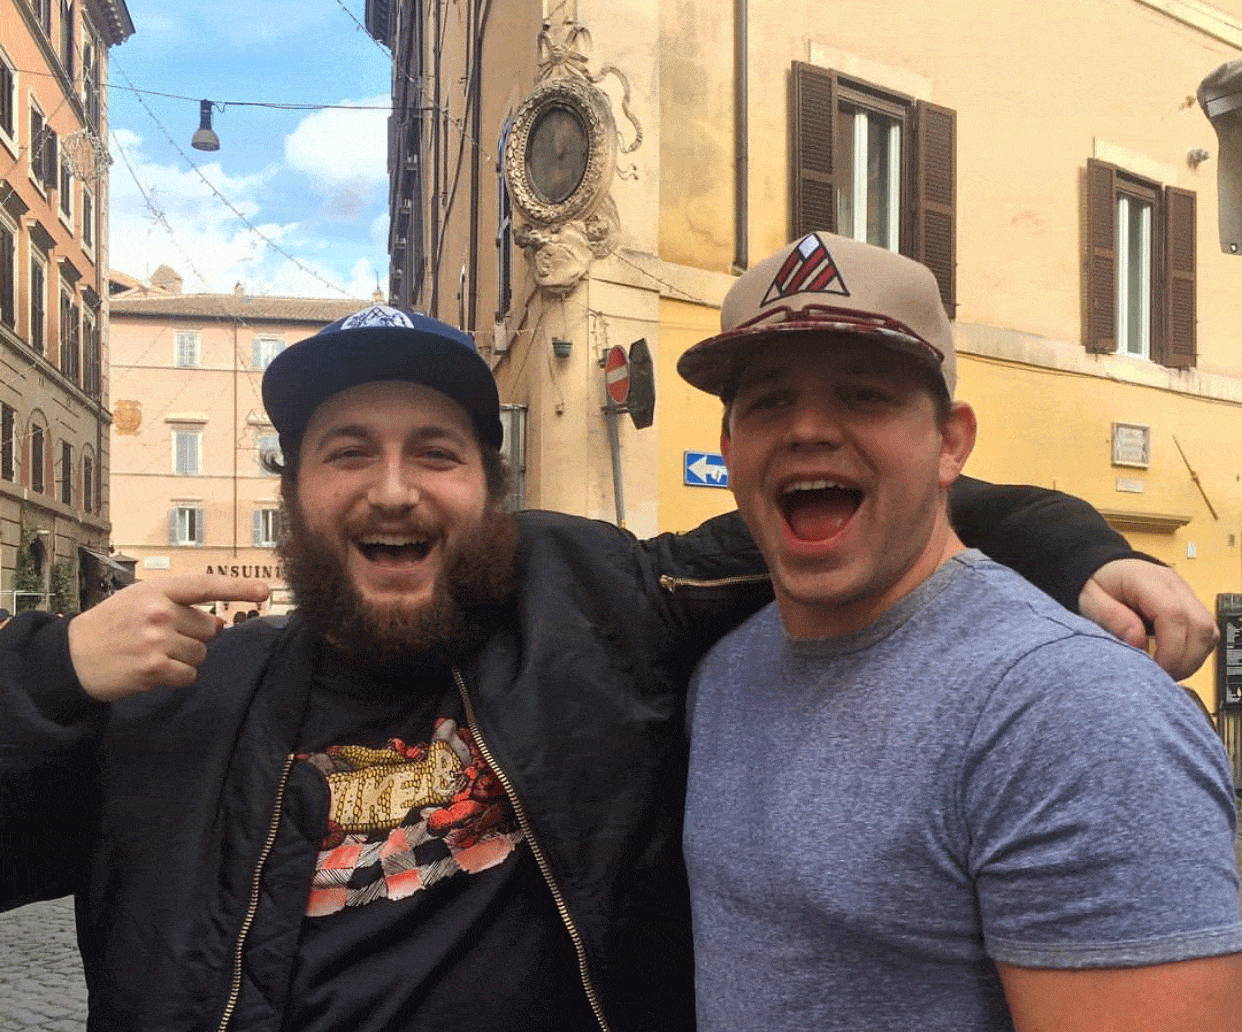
427	908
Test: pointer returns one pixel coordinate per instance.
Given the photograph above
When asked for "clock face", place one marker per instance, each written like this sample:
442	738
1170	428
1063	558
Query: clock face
557	152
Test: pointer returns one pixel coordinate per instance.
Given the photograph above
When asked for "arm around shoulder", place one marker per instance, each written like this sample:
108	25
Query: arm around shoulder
1054	540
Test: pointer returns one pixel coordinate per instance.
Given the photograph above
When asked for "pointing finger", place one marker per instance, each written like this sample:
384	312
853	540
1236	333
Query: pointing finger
194	588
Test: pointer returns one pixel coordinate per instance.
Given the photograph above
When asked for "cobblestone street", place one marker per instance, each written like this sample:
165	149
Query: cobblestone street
41	987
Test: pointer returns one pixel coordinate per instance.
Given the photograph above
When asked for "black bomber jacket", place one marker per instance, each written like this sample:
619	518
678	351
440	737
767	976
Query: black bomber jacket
163	812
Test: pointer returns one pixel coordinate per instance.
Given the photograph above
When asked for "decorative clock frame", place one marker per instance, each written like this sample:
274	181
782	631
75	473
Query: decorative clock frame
589	105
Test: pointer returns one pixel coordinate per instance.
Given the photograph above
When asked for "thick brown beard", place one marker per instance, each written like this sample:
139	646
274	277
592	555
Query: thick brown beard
476	581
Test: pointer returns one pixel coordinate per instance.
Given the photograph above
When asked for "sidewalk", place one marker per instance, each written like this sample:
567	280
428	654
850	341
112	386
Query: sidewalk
41	987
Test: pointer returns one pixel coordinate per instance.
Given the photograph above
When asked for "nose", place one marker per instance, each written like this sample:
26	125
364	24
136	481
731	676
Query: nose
395	487
814	426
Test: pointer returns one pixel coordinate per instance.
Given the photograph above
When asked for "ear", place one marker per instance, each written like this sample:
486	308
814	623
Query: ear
957	441
724	445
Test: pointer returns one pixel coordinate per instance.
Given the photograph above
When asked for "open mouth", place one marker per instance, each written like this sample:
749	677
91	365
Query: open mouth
390	550
816	510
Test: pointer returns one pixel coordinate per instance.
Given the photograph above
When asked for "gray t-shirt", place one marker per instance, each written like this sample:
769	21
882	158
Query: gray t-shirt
979	775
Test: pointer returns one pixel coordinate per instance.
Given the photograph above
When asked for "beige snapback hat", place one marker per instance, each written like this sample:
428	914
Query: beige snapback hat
830	285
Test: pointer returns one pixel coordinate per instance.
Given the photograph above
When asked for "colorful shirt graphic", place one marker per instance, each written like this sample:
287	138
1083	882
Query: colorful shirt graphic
404	817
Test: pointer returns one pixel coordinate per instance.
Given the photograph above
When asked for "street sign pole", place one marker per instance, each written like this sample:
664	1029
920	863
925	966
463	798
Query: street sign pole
616	390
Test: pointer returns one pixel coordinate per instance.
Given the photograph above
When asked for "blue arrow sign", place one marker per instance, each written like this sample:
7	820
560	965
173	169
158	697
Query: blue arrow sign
705	469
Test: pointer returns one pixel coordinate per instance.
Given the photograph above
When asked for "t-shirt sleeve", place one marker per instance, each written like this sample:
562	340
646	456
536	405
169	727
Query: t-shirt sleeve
1099	814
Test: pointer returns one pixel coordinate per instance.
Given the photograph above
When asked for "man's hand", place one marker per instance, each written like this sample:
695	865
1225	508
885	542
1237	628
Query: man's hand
1127	596
150	634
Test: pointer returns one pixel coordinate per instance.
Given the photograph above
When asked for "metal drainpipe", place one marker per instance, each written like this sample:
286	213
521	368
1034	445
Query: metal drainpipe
483	9
436	142
741	141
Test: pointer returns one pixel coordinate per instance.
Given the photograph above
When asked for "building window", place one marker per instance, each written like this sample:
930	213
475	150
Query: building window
185	525
265	525
38	304
8	275
66	190
8	100
267	449
70	356
1140	268
44	163
91	357
877	166
88	483
8	443
37	459
90	79
66	37
88	219
66	473
187	349
43	14
187	452
869	198
264	349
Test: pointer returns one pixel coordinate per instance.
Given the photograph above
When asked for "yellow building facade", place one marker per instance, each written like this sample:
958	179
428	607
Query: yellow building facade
624	160
189	493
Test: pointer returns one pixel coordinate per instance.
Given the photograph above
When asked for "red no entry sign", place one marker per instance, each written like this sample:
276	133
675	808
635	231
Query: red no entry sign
617	375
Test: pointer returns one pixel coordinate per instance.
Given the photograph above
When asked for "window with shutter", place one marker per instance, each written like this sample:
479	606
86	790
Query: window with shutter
66	473
38	304
187	348
187	452
88	483
38	460
1139	267
814	119
935	215
8	442
264	349
8	98
1179	301
8	275
874	165
51	158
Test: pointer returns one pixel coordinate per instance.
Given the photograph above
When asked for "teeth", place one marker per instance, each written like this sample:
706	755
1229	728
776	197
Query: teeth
391	540
814	485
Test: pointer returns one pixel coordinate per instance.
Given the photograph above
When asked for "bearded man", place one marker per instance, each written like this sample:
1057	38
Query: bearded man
447	792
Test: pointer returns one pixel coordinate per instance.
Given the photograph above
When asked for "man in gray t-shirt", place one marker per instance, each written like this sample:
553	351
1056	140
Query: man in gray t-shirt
922	796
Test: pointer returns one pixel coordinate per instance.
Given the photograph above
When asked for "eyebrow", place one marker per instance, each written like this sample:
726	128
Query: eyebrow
363	432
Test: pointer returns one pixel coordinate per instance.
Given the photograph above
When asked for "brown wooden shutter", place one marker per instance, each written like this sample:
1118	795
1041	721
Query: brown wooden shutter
813	113
935	190
51	160
1179	278
1100	330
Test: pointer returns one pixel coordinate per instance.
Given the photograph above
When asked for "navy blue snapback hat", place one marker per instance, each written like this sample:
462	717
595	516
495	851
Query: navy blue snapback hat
379	343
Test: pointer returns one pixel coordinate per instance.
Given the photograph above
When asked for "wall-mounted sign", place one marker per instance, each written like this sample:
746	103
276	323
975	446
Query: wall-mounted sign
705	469
1131	445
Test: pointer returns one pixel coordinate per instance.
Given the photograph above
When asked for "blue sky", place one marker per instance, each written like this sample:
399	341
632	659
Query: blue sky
314	182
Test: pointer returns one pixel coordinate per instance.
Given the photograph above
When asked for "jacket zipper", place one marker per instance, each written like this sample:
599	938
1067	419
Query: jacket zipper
670	583
256	884
541	859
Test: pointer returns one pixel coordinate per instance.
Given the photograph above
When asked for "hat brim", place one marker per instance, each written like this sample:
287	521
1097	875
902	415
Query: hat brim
711	365
305	375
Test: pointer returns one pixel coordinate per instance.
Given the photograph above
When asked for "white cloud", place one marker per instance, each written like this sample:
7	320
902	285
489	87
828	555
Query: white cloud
181	223
379	231
344	154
